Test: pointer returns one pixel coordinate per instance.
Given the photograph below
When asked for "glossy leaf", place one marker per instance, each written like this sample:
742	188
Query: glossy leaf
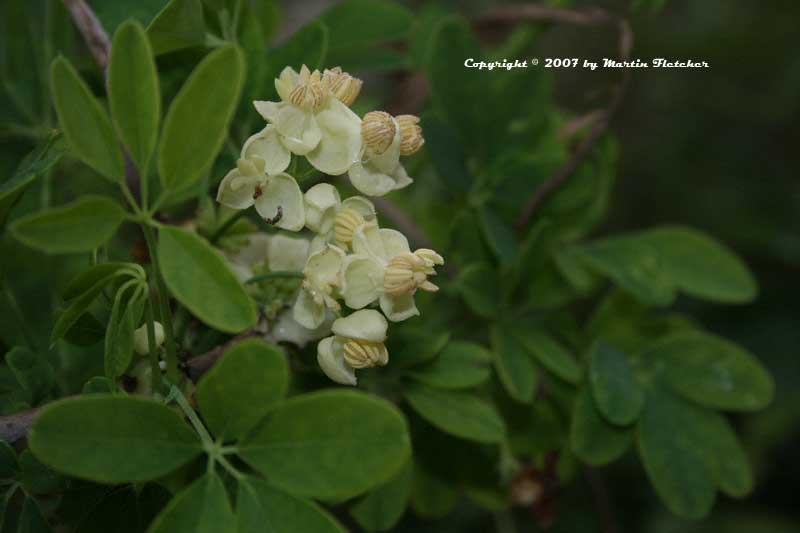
80	226
381	509
513	364
179	25
329	444
618	395
86	125
200	278
261	507
249	380
458	413
550	353
595	441
112	439
197	121
133	92
459	366
203	507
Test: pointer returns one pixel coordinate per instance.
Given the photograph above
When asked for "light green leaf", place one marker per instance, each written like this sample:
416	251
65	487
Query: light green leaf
85	124
133	92
618	395
112	439
382	508
203	507
126	313
513	364
248	381
80	226
459	366
200	278
458	413
329	444
478	287
713	372
179	25
595	441
261	507
197	122
36	164
550	353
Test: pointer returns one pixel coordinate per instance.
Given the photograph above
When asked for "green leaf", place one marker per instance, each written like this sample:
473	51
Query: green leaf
550	353
672	444
459	366
112	439
8	461
618	395
595	441
513	364
31	520
499	235
307	46
99	385
360	23
248	381
179	25
133	92
431	497
446	153
411	347
125	510
261	507
200	278
196	124
381	509
713	372
36	477
478	288
458	413
126	313
33	373
36	164
85	331
85	123
203	507
80	226
329	444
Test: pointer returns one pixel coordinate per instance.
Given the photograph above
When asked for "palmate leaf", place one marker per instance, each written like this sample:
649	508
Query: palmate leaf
203	507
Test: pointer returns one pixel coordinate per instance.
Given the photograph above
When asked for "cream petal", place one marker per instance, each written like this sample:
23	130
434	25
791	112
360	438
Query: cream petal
367	241
236	191
307	312
141	341
370	181
321	202
399	308
394	242
286	82
286	329
340	143
326	265
330	357
401	178
386	162
286	252
268	110
299	129
282	190
363	281
360	205
319	243
266	145
366	324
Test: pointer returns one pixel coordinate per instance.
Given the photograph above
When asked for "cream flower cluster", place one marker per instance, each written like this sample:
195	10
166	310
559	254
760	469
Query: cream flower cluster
351	260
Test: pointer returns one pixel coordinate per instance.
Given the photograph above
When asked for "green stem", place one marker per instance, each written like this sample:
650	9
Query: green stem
155	369
275	275
180	399
226	226
162	302
30	339
238	476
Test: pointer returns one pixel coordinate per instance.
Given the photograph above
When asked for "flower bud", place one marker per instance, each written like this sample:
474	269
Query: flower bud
310	95
378	129
342	85
345	224
140	339
365	354
411	138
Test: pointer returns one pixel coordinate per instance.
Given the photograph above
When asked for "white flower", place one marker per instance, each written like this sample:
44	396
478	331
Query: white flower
384	139
311	120
140	338
286	329
277	197
358	342
323	276
333	220
384	268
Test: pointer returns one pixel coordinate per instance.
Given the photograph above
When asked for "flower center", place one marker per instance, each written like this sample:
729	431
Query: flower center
345	224
365	354
409	271
378	129
310	95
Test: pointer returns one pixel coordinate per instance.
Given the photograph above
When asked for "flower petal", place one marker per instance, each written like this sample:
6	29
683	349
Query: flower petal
340	143
236	191
363	281
282	190
367	241
299	129
307	312
394	242
286	252
369	180
366	324
321	202
326	265
286	329
268	110
286	82
400	307
360	205
330	357
267	146
386	162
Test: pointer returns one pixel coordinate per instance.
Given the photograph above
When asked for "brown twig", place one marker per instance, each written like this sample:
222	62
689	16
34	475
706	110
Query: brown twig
92	31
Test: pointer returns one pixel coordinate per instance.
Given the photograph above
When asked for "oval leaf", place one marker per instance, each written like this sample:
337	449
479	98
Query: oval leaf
381	509
112	439
197	121
86	125
550	354
198	276
133	92
457	413
81	226
329	444
459	366
513	365
179	25
242	387
203	507
595	441
619	396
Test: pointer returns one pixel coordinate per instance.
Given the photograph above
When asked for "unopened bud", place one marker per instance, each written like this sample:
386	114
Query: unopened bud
365	354
378	130
342	85
411	138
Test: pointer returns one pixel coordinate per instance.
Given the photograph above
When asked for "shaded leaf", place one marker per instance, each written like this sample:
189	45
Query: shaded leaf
179	25
203	507
459	366
513	364
618	395
550	353
595	441
382	508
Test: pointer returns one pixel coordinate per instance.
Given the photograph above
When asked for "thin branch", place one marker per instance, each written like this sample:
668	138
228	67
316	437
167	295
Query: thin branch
92	31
